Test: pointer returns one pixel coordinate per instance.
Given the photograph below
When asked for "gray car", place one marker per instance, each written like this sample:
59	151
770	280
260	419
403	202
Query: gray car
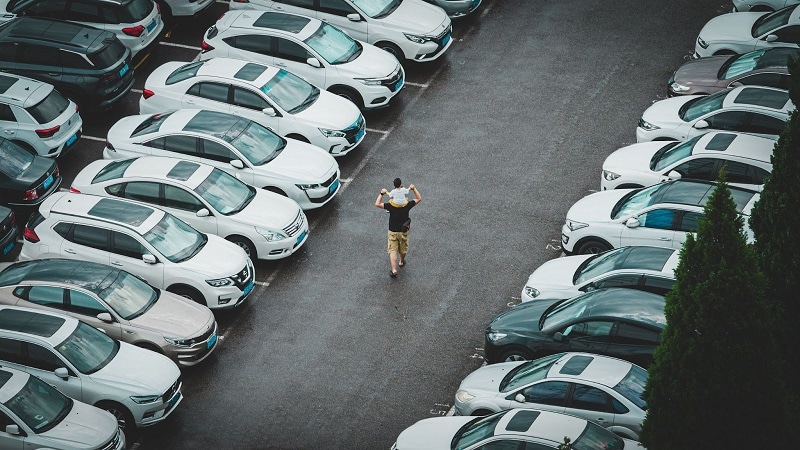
456	8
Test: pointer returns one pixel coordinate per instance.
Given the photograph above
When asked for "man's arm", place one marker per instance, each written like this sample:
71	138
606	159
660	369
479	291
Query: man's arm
417	196
379	201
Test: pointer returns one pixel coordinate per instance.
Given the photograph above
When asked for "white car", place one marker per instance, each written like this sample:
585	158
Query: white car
658	215
183	8
742	32
456	8
758	110
408	29
638	267
35	415
746	159
245	149
510	429
317	51
137	23
140	387
264	224
761	5
37	117
271	96
142	240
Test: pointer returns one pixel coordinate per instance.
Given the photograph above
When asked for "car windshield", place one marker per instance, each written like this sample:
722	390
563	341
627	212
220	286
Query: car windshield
175	239
528	372
39	405
14	161
739	64
567	310
632	386
292	93
225	193
598	265
333	45
377	8
49	108
771	21
672	153
635	201
88	349
594	437
475	431
702	105
129	296
258	144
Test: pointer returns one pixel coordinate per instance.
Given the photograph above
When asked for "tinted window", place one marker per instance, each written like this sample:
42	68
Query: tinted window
217	152
766	79
738	172
6	113
42	358
127	246
252	43
63	229
658	218
635	335
186	145
503	444
113	170
40	55
50	296
764	124
48	109
301	3
547	393
699	169
175	197
184	72
338	7
729	120
143	191
82	303
690	221
135	10
589	398
790	34
248	99
291	51
657	285
212	91
11	351
90	236
597	330
150	125
54	9
619	281
110	54
75	61
84	11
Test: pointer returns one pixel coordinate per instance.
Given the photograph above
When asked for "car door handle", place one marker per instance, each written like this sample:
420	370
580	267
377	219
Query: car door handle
69	250
600	420
116	263
278	63
191	102
52	74
664	239
9	131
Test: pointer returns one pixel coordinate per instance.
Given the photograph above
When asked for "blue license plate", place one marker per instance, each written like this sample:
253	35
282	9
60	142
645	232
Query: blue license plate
124	70
48	182
248	288
72	139
398	85
212	341
173	400
8	248
151	26
302	236
360	134
335	185
445	40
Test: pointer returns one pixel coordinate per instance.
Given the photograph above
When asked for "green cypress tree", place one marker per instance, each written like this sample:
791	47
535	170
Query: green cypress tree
710	385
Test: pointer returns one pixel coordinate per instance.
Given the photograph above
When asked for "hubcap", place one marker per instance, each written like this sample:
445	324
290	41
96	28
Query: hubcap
243	246
515	357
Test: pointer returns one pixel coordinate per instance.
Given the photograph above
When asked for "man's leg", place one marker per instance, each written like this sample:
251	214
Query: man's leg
393	261
393	251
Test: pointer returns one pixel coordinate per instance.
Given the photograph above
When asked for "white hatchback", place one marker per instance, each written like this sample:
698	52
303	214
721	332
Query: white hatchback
142	240
758	110
271	96
265	224
742	32
408	29
317	51
761	5
245	149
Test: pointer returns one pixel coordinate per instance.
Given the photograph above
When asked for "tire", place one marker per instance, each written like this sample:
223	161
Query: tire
392	49
187	292
27	147
592	247
664	139
629	186
761	8
124	417
481	412
150	347
275	190
349	94
514	354
245	245
724	52
298	137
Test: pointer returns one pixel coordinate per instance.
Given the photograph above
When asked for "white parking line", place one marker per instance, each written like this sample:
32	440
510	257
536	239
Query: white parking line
419	85
136	91
173	44
383	132
93	138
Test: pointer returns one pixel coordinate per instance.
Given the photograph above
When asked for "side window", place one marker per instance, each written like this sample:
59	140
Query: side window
764	124
248	99
738	172
657	285
5	421
301	3
790	34
11	351
618	281
159	143
185	145
84	11
81	303
6	114
52	9
503	444
143	191
547	393
217	152
338	7
126	245
635	335
728	120
596	329
657	218
8	51
40	55
590	399
74	60
50	296
90	237
763	79
689	221
108	13
175	197
291	51
699	169
252	43
64	230
42	358
759	174
212	91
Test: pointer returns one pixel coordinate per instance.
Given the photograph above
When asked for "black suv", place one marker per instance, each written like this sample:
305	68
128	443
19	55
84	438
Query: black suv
8	234
88	65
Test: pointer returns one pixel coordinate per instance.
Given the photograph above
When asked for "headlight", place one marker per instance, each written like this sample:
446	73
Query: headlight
531	292
331	133
609	175
573	225
678	87
464	396
701	42
308	186
179	342
145	398
369	81
219	282
416	38
647	125
494	336
271	235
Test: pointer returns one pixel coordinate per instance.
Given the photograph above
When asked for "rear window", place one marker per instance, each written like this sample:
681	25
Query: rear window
136	10
113	170
14	161
48	109
150	125
184	72
112	52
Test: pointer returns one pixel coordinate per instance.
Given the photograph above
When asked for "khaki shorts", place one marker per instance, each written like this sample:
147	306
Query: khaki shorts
398	242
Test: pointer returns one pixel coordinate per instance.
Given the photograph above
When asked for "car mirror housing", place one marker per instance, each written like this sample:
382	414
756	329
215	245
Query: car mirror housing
313	62
353	18
62	373
736	84
237	163
204	212
701	124
558	336
632	222
148	258
105	317
519	398
269	111
771	38
13	430
674	175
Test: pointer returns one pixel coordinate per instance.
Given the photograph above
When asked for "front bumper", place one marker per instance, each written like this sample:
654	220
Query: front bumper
153	413
200	350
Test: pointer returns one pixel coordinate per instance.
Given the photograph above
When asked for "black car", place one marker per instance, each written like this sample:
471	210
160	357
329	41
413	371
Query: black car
619	322
88	65
8	234
25	179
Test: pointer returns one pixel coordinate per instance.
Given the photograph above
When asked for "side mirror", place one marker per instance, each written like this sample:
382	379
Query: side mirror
13	430
148	258
736	84
519	398
771	38
204	212
62	373
105	317
353	18
269	111
313	62
632	222
701	124
558	336
237	164
674	175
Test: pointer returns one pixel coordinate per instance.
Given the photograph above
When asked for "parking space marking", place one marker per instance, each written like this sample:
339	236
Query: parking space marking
141	61
136	91
175	44
384	133
93	138
419	85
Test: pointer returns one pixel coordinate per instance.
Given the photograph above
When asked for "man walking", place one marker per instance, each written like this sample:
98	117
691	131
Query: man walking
398	219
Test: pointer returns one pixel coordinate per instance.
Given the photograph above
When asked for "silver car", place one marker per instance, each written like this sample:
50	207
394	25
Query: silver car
456	8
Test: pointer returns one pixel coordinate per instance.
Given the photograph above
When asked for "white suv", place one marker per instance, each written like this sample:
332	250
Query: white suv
37	117
142	240
140	387
409	29
317	51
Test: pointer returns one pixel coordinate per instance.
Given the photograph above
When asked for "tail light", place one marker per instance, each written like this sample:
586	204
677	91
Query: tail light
13	219
109	146
205	47
110	76
134	31
147	93
48	132
158	6
56	173
73	190
30	195
30	235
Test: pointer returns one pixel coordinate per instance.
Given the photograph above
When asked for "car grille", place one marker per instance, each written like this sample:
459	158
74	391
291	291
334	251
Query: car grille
172	390
296	224
243	277
204	337
438	39
391	81
352	131
113	443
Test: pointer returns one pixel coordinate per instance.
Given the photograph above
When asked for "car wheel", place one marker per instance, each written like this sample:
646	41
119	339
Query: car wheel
724	52
392	49
592	247
150	347
481	412
298	137
121	413
515	354
187	292
245	245
348	94
275	190
27	147
761	8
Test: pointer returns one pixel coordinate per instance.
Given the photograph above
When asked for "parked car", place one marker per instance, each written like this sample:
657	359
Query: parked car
90	66
37	117
761	5
34	414
139	387
244	148
619	322
317	51
264	224
659	215
8	234
408	29
764	67
605	390
456	8
271	96
746	159
509	429
183	8
136	23
743	32
758	110
25	179
638	267
142	240
119	303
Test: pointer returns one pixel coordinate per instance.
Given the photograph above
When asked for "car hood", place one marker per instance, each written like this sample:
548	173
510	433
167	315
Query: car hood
524	317
633	156
371	63
175	316
301	163
701	71
268	209
330	111
596	207
488	378
417	17
556	275
433	433
143	372
84	427
731	27
218	259
664	113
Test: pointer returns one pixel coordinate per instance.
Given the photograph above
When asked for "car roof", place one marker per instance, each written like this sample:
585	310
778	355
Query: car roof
272	21
697	192
643	257
743	145
623	303
600	369
11	382
241	70
186	173
759	97
218	124
22	91
47	326
60	32
93	277
776	57
546	425
106	209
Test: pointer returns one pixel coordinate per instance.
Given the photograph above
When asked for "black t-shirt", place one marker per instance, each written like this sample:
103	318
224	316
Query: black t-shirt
397	216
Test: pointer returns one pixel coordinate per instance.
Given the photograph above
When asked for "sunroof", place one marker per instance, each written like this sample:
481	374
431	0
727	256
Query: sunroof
522	420
6	82
216	124
250	71
30	322
118	211
576	365
720	141
279	21
768	98
183	170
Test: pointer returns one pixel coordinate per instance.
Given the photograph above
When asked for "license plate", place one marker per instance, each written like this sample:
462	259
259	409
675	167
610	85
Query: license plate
72	139
445	40
248	288
173	400
332	188
47	182
360	134
301	237
124	70
151	26
212	341
398	85
8	248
